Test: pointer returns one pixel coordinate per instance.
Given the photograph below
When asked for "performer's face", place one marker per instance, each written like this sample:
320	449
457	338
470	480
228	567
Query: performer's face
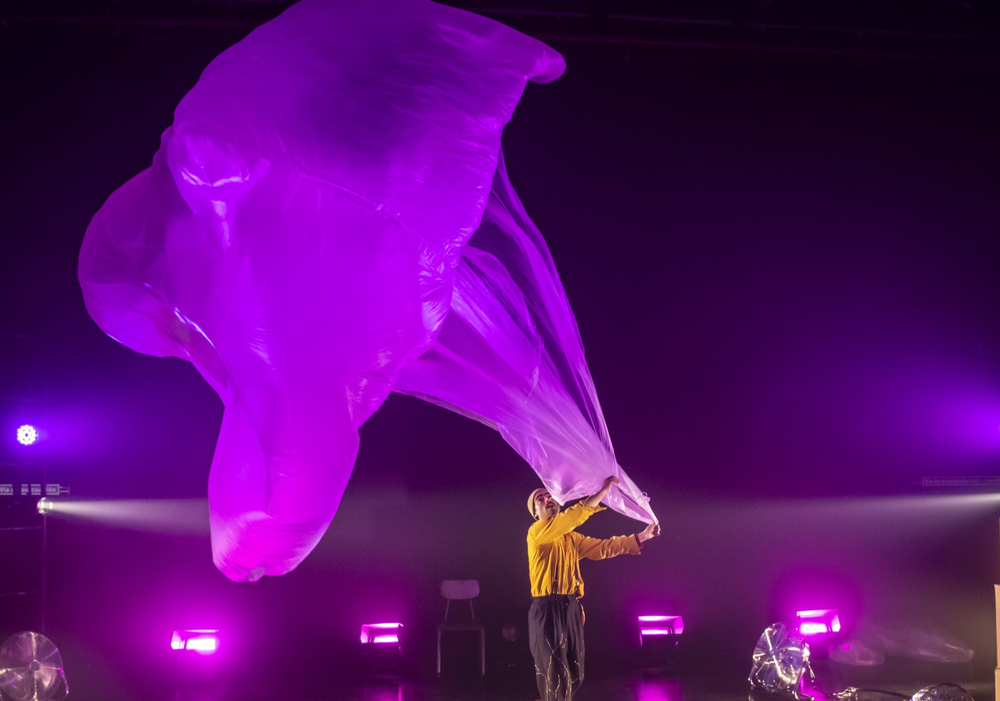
545	505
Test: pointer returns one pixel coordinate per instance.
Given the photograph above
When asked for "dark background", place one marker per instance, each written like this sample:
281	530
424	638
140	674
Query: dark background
783	260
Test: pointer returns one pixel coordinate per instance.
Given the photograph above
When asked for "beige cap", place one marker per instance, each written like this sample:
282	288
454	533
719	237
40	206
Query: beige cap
531	500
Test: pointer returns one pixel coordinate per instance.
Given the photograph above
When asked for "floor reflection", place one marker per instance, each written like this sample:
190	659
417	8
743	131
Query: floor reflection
634	687
385	691
655	689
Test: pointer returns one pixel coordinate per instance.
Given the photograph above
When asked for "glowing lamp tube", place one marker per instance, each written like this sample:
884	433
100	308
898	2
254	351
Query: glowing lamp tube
201	641
818	621
651	626
380	633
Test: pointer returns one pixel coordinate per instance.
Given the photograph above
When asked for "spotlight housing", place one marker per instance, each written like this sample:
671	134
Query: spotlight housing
45	506
659	642
381	647
817	621
380	633
659	625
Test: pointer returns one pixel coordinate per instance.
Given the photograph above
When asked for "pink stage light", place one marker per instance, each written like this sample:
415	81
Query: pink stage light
660	625
380	633
201	641
818	621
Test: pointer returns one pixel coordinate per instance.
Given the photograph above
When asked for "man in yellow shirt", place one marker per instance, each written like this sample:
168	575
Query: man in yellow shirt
555	620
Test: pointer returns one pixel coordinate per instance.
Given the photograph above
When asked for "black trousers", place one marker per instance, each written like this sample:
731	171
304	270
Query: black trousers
555	635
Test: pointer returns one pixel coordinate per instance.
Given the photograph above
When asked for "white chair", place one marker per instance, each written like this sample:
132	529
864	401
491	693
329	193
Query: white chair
458	590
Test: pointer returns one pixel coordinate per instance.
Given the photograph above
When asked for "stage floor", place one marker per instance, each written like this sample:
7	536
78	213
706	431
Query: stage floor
633	687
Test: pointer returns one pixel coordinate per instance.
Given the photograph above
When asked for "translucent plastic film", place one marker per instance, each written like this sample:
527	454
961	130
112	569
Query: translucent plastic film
870	645
779	661
31	668
509	354
302	237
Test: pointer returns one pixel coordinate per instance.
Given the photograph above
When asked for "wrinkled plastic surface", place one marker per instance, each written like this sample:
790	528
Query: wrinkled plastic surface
509	354
857	653
779	661
942	692
303	238
919	643
31	668
871	645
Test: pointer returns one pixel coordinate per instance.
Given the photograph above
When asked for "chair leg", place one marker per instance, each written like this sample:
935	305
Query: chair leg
439	652
482	653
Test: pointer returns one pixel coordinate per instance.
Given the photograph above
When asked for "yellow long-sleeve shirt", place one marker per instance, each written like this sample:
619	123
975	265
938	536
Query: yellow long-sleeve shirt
555	550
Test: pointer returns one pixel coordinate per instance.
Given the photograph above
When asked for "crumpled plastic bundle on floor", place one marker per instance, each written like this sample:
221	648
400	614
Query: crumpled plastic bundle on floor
327	220
780	660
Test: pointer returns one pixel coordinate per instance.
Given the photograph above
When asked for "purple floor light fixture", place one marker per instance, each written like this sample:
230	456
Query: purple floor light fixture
199	641
659	640
382	649
817	621
380	633
197	668
657	626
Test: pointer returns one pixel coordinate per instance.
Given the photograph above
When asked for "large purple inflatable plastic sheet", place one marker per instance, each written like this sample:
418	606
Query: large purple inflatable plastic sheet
327	220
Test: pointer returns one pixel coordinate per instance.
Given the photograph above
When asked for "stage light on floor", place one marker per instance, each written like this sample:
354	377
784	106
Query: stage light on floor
659	641
198	666
382	648
45	506
817	621
380	633
199	641
657	626
27	434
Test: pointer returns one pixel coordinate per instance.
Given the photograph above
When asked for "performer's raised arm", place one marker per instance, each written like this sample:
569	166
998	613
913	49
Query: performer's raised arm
556	617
